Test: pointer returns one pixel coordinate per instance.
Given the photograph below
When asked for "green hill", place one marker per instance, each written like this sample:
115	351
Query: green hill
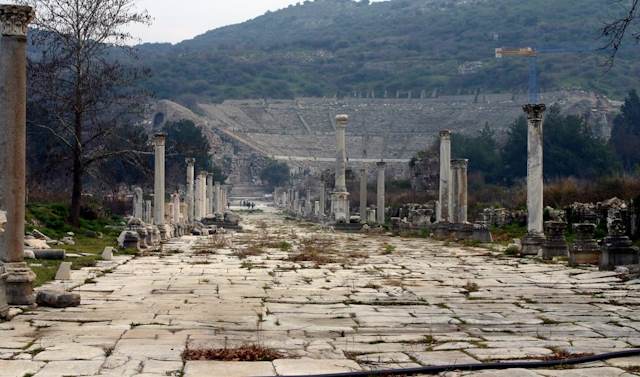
329	47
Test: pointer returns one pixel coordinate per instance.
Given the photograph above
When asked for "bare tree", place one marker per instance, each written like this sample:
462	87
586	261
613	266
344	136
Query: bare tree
77	78
615	32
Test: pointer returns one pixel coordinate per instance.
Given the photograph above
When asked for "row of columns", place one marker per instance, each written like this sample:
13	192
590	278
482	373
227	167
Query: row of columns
204	195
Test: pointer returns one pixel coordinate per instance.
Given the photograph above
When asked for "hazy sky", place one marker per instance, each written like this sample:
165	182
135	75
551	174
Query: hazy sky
177	20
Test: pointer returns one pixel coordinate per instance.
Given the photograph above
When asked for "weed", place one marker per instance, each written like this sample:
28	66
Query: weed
243	353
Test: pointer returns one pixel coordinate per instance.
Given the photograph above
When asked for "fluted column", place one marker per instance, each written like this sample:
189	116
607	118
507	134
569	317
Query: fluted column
17	278
191	163
380	194
444	214
210	196
363	194
532	242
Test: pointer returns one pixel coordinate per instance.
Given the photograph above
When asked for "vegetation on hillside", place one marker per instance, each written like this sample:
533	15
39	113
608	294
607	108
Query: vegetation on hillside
328	47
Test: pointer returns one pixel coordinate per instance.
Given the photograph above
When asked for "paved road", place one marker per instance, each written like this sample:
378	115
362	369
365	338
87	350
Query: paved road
357	302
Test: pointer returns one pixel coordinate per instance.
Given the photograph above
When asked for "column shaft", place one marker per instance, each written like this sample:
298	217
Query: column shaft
459	191
535	189
190	190
380	213
445	177
363	195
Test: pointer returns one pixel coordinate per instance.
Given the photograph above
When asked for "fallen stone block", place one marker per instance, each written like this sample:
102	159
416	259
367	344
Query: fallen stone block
34	243
64	271
29	254
50	254
57	299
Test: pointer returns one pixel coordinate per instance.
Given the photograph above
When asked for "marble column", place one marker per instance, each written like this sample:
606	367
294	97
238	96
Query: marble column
533	241
323	198
197	199
148	210
175	216
444	215
363	194
308	203
459	191
191	163
138	203
159	141
217	193
340	197
16	278
209	194
202	191
380	194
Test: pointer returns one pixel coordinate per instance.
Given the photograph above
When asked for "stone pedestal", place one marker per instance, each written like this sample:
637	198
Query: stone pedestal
444	215
617	248
363	195
17	276
585	250
158	191
191	163
380	193
532	242
371	216
555	244
340	207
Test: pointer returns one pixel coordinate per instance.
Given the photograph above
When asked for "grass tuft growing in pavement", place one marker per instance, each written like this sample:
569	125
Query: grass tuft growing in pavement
251	352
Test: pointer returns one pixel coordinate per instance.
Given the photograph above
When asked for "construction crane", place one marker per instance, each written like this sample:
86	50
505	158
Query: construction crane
532	54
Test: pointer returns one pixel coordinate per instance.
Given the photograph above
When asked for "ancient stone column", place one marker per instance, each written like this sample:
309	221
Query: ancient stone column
444	199
308	203
16	278
138	200
175	216
323	199
202	190
459	204
380	193
217	193
363	195
209	194
198	197
340	198
191	163
532	242
148	210
158	191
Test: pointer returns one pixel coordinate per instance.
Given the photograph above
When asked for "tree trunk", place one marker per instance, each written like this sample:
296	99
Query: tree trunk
76	192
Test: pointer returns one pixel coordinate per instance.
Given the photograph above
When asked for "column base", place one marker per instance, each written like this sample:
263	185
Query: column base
532	244
4	306
18	280
340	207
165	232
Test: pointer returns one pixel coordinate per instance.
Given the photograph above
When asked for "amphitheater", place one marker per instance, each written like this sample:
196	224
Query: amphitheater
302	131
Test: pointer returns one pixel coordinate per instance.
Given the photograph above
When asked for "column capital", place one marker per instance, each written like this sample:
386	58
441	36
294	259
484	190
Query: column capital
459	163
445	133
342	120
381	164
190	161
14	19
203	173
534	111
159	139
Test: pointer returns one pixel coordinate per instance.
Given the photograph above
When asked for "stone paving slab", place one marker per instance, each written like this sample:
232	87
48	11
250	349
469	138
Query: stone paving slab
366	309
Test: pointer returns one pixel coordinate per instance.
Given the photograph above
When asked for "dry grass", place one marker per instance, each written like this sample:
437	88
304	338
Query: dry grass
250	251
244	353
317	250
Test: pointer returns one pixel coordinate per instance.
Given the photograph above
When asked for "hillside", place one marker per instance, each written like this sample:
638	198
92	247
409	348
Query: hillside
428	47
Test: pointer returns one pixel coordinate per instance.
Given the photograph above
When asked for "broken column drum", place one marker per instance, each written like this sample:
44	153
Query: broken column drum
532	242
340	196
555	245
459	191
16	278
585	250
191	163
444	197
380	194
363	195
